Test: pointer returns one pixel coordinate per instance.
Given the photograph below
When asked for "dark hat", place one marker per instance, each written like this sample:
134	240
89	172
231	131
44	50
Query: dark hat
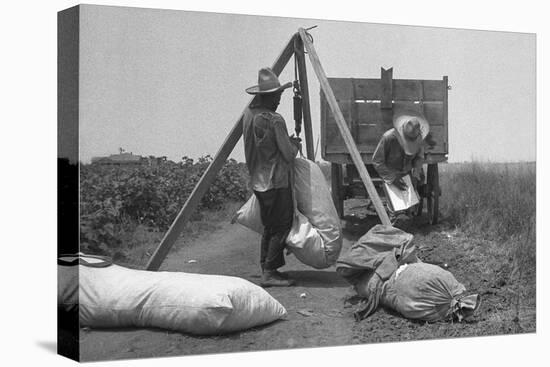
267	83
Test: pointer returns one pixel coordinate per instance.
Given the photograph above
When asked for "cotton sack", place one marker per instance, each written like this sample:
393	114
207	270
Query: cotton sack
115	296
427	292
316	235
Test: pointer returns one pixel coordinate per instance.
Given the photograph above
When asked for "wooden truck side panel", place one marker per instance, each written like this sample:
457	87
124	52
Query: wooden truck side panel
361	103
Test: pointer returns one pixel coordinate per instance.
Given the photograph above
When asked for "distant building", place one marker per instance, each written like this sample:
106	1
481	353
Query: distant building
122	159
128	159
155	161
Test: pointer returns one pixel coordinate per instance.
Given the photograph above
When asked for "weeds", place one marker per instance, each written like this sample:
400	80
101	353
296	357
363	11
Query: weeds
124	208
497	202
494	201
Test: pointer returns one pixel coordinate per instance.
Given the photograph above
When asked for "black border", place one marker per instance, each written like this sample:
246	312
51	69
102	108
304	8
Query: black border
68	22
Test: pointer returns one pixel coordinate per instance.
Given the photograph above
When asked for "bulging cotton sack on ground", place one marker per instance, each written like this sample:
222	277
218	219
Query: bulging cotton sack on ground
381	250
316	236
372	260
384	269
427	292
115	296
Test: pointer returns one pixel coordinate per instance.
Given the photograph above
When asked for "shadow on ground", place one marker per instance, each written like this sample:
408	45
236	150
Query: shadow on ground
317	279
355	226
48	345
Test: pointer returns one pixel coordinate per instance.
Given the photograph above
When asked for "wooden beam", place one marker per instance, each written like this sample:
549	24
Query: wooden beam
306	110
386	105
387	90
346	135
446	113
209	175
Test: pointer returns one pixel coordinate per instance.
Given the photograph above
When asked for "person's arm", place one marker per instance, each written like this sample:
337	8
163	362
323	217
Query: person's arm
379	161
285	145
417	162
418	158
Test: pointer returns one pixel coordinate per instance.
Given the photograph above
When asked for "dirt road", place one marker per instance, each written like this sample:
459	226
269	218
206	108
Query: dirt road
322	318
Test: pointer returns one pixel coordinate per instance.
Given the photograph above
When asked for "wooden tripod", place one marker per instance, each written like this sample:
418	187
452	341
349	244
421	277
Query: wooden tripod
294	47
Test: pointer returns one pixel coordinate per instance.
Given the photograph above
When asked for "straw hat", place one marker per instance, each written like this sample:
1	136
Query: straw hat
411	130
267	83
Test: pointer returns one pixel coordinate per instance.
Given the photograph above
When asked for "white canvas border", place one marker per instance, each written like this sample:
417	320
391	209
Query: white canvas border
29	182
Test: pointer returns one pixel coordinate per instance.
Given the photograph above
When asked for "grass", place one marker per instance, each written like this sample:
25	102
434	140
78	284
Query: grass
497	202
493	201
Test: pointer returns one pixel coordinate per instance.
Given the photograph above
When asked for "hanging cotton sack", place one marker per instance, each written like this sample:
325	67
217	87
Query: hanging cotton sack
115	297
316	235
427	292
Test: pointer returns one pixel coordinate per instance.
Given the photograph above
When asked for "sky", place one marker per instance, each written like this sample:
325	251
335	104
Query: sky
171	82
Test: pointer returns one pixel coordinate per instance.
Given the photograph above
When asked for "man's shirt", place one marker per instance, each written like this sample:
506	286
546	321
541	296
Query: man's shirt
389	158
268	150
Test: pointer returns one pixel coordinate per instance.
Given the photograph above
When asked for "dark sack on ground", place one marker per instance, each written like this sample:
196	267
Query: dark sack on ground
427	292
382	250
384	269
372	260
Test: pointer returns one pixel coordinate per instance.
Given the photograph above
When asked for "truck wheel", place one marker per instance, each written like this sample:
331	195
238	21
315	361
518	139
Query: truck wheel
432	193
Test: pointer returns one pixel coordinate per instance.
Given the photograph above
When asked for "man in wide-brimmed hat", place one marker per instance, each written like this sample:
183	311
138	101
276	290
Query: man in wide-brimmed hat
400	150
270	153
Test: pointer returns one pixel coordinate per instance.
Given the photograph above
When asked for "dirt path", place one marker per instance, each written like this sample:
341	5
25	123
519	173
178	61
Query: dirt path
234	250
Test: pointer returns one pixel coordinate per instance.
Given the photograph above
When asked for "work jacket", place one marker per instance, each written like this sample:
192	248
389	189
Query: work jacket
268	149
389	158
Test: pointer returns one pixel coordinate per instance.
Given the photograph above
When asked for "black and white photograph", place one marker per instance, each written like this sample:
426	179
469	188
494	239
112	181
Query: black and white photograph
232	184
379	185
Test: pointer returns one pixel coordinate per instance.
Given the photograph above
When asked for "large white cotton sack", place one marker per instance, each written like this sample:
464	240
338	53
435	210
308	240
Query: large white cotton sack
249	215
115	296
67	288
308	245
314	201
303	240
427	292
316	235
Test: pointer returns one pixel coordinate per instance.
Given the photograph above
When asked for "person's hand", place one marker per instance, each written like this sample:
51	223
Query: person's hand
418	174
400	184
296	141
